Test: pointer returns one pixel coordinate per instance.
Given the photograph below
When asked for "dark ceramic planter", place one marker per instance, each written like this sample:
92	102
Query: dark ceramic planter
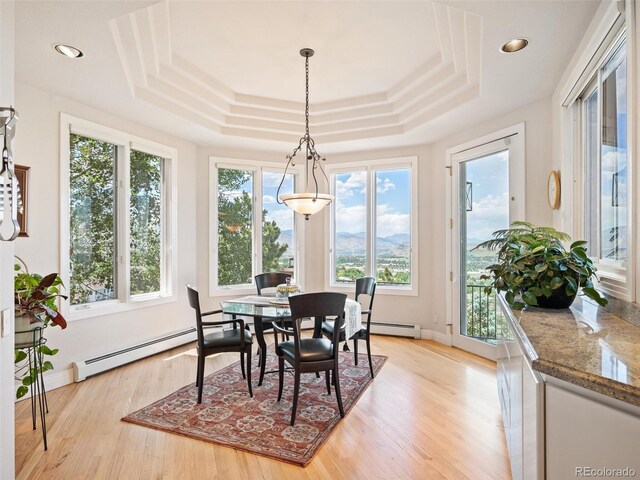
558	299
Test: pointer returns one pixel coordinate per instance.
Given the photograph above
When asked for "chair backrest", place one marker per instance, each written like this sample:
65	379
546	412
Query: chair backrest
194	302
366	286
322	304
271	279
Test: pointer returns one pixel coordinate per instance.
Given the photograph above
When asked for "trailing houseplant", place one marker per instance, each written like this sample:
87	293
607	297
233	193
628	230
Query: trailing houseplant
35	299
534	267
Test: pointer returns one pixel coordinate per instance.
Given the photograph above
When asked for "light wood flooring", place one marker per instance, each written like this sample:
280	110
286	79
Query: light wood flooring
432	412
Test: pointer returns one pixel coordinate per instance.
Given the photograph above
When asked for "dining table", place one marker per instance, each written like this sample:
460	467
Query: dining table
266	309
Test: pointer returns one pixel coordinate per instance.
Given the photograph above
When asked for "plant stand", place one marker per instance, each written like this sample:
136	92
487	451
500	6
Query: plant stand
37	388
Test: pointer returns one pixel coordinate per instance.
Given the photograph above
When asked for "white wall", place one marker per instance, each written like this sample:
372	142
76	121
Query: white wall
38	141
7	392
431	213
538	149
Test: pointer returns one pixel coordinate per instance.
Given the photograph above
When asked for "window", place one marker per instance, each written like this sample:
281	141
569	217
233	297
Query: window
604	120
118	233
374	224
253	233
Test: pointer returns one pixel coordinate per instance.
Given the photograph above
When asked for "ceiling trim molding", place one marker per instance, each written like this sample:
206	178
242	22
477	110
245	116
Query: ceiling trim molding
157	75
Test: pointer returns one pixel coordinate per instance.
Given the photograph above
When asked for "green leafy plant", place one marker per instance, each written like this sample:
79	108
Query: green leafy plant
533	263
35	297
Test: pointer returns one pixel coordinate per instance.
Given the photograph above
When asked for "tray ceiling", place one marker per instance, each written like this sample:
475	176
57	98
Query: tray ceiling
385	73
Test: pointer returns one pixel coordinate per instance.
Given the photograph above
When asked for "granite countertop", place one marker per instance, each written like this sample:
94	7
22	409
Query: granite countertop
585	345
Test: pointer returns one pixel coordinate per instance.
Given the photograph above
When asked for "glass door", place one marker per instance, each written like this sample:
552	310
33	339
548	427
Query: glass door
484	201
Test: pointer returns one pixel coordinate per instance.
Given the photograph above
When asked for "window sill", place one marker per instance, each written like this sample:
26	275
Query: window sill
236	290
380	289
115	308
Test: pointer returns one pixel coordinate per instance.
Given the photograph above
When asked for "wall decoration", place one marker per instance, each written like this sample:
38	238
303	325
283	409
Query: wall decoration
22	174
553	189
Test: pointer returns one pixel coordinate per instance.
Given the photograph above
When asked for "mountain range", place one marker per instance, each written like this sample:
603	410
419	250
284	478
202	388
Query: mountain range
353	244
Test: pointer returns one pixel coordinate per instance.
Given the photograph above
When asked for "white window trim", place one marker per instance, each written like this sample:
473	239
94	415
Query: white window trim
370	167
258	167
613	279
124	142
517	211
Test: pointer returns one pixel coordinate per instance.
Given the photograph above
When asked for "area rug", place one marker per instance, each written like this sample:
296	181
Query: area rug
260	425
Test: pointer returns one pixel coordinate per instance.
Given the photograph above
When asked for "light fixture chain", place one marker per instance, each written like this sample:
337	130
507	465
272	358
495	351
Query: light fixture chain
306	110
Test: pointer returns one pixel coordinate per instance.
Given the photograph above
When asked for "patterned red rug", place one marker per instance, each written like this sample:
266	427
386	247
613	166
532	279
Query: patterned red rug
260	425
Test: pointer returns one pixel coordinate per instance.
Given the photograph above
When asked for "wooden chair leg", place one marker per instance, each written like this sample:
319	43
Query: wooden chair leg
263	365
280	377
355	349
369	354
337	388
249	373
296	389
327	375
242	364
198	372
200	380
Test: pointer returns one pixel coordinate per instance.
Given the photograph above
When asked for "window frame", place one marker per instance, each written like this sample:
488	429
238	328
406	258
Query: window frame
371	167
613	278
124	143
258	167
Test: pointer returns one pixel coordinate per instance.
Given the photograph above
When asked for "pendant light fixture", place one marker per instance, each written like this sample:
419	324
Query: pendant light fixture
311	201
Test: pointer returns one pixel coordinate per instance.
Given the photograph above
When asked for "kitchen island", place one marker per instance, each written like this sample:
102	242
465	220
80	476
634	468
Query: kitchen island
569	387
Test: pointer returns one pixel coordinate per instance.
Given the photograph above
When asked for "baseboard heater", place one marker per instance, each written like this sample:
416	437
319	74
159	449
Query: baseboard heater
93	366
396	329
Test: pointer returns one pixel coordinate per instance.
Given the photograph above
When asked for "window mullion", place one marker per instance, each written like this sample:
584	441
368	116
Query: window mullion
599	163
257	221
164	238
371	224
124	223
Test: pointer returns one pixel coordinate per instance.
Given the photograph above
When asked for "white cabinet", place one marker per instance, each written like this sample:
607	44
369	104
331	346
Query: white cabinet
532	423
583	432
521	393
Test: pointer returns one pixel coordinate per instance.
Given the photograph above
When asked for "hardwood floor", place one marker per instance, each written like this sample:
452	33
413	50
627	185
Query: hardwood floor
432	412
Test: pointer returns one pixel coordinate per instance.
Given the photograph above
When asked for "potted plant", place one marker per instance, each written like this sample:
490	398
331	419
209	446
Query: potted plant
35	299
534	267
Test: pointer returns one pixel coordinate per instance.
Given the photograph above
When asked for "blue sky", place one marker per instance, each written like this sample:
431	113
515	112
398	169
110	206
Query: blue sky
282	215
393	199
490	178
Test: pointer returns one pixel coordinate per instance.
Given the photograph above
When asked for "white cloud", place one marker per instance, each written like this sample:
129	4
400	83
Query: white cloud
383	186
355	183
282	217
272	179
268	199
489	214
351	219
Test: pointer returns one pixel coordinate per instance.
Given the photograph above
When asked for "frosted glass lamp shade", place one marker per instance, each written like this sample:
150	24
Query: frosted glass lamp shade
306	203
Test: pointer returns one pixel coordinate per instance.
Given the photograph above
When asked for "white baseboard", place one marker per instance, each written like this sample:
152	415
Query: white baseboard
436	336
52	380
86	368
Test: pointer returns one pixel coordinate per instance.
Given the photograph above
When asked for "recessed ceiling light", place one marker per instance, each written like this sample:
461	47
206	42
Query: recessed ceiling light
514	45
68	50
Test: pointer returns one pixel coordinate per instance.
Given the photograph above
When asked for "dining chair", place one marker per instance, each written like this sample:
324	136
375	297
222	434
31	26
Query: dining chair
266	280
237	339
311	355
364	286
270	280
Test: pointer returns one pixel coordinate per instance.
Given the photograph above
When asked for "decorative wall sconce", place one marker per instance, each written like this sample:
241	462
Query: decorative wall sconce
9	226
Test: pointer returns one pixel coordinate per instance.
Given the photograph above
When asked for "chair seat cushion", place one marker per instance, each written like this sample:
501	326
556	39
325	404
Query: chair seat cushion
327	329
227	338
311	349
